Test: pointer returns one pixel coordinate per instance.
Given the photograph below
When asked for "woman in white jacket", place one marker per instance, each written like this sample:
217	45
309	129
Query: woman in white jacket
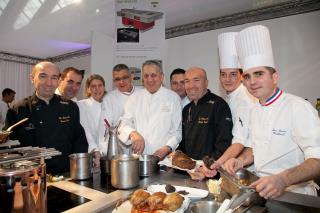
90	110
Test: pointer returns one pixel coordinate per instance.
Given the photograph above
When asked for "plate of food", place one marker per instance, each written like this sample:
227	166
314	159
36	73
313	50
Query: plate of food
143	201
189	192
179	160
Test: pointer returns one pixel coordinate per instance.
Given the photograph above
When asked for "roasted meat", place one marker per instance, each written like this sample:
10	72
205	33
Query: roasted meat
172	202
155	201
181	160
139	198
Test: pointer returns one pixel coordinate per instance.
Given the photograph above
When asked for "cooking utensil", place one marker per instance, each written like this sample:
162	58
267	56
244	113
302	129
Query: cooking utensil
125	171
148	165
240	200
80	166
17	124
203	207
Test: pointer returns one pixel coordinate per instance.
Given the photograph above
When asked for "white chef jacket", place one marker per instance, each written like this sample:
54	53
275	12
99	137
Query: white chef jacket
283	135
112	109
157	117
184	101
57	92
241	102
89	117
3	113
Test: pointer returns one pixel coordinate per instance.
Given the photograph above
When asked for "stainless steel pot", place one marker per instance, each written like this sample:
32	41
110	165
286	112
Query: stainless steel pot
23	187
203	207
125	171
148	165
80	166
105	165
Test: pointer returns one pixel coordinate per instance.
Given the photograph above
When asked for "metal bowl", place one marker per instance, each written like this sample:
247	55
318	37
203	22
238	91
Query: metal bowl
4	136
203	207
148	165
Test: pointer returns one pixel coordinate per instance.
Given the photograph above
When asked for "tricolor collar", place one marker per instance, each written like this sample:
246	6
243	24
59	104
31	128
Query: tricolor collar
274	97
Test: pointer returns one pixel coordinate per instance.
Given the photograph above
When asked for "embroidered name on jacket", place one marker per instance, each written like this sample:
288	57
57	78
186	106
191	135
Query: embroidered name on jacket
64	119
202	120
280	132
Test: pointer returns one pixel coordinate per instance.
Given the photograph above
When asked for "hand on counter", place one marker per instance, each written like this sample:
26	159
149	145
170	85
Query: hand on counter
96	159
137	142
270	186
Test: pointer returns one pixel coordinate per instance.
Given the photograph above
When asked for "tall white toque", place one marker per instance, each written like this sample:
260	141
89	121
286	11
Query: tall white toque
254	47
227	51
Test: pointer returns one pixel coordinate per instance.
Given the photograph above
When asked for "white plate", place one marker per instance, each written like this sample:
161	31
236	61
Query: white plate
126	207
193	192
168	162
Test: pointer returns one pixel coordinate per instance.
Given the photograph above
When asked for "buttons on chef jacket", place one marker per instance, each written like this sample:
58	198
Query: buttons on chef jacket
40	122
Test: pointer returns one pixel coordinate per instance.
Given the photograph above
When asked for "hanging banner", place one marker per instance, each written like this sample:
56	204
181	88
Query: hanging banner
140	34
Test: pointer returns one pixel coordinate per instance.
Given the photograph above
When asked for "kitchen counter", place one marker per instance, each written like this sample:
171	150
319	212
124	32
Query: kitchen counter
104	202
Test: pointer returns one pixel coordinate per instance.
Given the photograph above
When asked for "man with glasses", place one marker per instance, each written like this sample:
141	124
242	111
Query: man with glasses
177	85
113	103
152	116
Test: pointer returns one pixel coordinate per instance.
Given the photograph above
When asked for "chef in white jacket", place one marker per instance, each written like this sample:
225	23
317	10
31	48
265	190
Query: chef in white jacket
238	98
152	116
284	129
113	103
90	110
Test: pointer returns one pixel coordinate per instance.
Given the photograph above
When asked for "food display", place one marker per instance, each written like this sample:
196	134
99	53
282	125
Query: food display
143	201
214	186
181	160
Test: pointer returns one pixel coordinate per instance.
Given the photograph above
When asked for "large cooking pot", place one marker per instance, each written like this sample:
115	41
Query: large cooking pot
23	187
125	171
81	166
148	165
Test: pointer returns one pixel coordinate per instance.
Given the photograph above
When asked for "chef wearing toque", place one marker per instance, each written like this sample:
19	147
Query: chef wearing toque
284	129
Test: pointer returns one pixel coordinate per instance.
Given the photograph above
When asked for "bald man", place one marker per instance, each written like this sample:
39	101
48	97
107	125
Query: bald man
206	120
53	122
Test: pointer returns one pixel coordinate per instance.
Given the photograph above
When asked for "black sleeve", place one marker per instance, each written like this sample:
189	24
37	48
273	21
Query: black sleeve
79	142
223	129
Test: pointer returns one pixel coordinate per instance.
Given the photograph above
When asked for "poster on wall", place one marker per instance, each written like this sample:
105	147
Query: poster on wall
140	34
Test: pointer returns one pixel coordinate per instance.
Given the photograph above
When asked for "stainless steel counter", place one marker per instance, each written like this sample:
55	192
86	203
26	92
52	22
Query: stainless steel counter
103	202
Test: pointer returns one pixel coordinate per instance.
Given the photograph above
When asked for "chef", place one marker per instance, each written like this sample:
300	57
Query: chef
284	129
152	116
53	122
90	110
238	98
206	120
114	102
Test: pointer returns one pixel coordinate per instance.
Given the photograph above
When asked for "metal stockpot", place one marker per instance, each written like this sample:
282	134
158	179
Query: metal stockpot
23	187
148	165
125	171
80	166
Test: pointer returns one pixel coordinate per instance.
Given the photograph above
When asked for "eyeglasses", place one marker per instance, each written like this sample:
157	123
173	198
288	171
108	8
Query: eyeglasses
124	78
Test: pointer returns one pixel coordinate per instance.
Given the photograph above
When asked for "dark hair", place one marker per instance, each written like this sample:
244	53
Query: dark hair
71	69
176	72
90	79
156	63
7	91
119	67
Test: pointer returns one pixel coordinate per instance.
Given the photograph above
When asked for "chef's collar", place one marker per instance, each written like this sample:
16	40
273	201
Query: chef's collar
235	92
274	97
35	99
204	98
129	93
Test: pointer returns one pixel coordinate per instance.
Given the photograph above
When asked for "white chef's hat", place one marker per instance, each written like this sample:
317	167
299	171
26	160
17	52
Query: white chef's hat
227	50
254	48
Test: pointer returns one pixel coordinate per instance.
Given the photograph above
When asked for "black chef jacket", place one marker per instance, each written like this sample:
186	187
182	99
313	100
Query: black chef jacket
206	127
54	125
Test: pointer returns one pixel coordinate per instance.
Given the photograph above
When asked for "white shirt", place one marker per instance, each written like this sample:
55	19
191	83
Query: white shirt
184	101
241	102
3	113
112	109
57	92
89	117
283	135
157	117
